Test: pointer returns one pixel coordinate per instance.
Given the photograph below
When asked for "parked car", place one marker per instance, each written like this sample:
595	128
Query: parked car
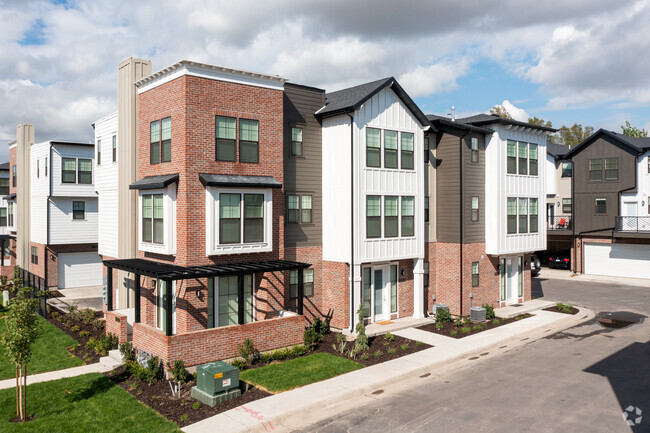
535	265
559	260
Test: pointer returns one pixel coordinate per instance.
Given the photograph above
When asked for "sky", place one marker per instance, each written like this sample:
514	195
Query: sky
578	61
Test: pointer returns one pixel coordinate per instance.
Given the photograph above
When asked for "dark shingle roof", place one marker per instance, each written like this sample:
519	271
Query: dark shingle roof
350	99
557	150
154	182
4	166
637	145
239	180
486	119
441	122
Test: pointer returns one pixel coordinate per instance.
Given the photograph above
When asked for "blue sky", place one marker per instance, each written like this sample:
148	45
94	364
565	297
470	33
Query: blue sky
583	61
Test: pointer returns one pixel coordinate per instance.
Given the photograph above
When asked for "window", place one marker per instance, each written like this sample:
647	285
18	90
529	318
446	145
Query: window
426	149
242	218
229	218
249	141
390	149
307	283
293	208
566	206
228	300
512	157
512	216
601	205
408	212
373	216
390	217
296	141
373	147
532	159
595	170
85	175
474	209
3	217
78	210
567	169
226	132
366	291
523	215
426	209
253	218
407	151
4	186
10	211
393	288
474	148
426	274
502	279
533	216
69	170
611	168
474	274
306	209
46	166
115	148
152	218
160	141
38	168
299	209
99	152
523	154
34	256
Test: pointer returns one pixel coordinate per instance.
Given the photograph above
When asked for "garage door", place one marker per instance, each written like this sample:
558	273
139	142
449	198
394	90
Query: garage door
79	270
617	260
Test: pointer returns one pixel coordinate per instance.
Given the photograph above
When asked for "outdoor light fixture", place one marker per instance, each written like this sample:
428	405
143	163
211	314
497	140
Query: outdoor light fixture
153	283
558	204
403	272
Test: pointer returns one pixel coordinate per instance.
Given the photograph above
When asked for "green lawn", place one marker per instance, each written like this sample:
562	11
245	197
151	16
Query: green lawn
94	404
299	372
49	351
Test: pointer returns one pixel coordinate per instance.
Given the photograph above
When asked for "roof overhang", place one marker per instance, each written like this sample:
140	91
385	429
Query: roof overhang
11	196
239	181
154	182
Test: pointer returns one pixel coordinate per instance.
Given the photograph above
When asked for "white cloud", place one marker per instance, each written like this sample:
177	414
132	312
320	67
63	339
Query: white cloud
516	112
436	78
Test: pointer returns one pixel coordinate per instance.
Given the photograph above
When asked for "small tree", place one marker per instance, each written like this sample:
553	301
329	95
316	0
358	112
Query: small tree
633	131
361	343
21	331
500	111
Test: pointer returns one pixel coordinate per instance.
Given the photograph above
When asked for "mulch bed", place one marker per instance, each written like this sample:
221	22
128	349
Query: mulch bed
448	327
158	396
63	321
554	309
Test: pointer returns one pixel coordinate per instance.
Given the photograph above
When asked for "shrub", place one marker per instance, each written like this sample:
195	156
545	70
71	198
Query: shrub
564	308
74	328
489	311
458	322
87	315
361	343
84	333
364	357
103	345
453	333
476	327
465	329
240	363
299	350
442	315
178	371
55	314
151	373
389	337
404	346
197	405
496	321
73	312
248	351
439	326
340	344
184	417
126	349
282	354
98	325
391	351
467	320
310	338
377	354
320	327
419	343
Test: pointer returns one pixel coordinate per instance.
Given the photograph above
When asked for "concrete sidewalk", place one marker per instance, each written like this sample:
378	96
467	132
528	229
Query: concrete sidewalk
57	374
563	274
296	408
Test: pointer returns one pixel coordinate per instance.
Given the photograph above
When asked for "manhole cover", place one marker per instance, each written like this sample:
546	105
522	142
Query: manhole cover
620	319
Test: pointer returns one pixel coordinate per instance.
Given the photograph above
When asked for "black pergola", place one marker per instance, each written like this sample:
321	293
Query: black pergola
168	272
3	240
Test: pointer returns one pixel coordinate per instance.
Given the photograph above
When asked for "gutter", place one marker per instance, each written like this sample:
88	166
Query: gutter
352	312
462	221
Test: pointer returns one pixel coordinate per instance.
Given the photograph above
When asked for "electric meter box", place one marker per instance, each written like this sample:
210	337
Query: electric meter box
217	377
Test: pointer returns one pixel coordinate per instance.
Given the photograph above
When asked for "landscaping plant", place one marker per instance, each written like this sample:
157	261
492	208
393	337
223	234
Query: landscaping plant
458	322
389	337
248	352
564	308
361	343
489	311
340	344
126	349
443	315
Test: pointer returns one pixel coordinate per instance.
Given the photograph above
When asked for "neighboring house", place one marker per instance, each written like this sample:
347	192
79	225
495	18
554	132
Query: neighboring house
559	214
611	191
7	208
54	210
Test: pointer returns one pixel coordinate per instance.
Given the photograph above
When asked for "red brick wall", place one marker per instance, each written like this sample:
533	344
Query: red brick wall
313	306
336	293
37	269
404	289
116	324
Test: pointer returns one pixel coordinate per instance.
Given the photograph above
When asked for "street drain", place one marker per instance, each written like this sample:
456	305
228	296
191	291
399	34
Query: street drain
379	391
425	375
473	358
486	353
620	319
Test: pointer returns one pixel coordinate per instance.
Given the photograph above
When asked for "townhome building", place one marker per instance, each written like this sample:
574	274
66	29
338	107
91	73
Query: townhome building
6	220
611	194
559	213
52	210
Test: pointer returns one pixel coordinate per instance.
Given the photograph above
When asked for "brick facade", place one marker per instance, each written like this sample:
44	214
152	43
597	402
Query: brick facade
116	324
336	293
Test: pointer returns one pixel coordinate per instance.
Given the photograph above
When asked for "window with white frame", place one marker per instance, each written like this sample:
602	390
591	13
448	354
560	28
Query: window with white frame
77	170
153	218
3	217
512	215
474	274
567	206
296	141
299	208
226	138
534	223
373	147
611	168
4	186
99	152
115	148
523	215
474	150
10	212
567	169
390	149
601	206
408	216
407	150
373	216
474	209
522	155
512	157
160	149
390	217
78	210
249	143
532	159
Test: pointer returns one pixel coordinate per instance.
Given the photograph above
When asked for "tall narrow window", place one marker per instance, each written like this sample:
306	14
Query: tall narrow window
99	152
474	209
114	148
154	142
34	257
249	141
390	217
474	149
158	214
85	175
3	217
533	216
253	218
512	157
390	149
38	168
595	170
78	210
408	213
532	159
307	283
228	301
407	151
296	141
166	140
373	147
366	291
229	218
611	168
567	169
4	186
426	209
512	216
147	218
426	274
393	288
523	215
523	154
305	209
46	166
474	274
566	206
373	216
502	279
10	211
426	149
292	209
69	170
226	132
601	205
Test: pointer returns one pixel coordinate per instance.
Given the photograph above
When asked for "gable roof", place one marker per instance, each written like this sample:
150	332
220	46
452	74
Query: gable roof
352	98
4	166
486	119
441	122
636	145
557	150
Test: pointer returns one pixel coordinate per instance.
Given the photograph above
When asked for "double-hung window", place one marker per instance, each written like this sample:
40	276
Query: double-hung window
299	209
305	209
115	148
13	175
307	283
78	210
249	141
390	217
474	209
373	216
512	157
567	169
533	215
595	170
46	166
296	141
373	147
10	211
152	218
601	205
611	168
160	149
408	214
34	257
474	149
390	149
293	208
253	218
229	218
68	170
426	149
407	151
4	186
226	137
566	206
85	171
532	159
522	155
426	209
474	274
523	215
512	215
99	152
3	217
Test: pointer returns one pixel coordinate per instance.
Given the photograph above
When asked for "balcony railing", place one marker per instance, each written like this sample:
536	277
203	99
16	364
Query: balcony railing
562	222
633	224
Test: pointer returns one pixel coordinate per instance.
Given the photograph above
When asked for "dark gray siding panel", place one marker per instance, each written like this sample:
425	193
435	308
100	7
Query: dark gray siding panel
448	188
474	185
303	175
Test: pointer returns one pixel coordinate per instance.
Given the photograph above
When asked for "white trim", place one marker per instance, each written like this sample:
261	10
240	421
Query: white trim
385	268
168	247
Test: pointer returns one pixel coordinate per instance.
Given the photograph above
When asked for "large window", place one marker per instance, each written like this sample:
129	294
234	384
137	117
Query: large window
296	141
373	216
228	300
160	149
474	149
566	206
474	209
595	170
68	170
390	217
522	154
532	159
474	274
249	141
115	148
601	205
235	225
408	213
85	171
299	209
307	283
253	218
523	215
567	169
533	216
611	168
78	210
229	218
4	186
373	147
512	215
390	149
3	217
226	136
407	151
152	218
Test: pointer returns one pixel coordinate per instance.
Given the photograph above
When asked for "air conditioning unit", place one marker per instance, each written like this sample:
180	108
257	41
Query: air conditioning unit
439	306
216	382
477	314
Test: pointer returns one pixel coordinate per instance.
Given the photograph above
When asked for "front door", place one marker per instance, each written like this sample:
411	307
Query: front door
550	213
381	293
629	210
513	269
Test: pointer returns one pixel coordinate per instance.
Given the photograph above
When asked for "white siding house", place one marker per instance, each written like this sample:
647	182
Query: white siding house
106	184
637	203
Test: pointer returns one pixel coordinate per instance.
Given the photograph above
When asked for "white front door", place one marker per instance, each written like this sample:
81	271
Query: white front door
381	293
513	269
629	208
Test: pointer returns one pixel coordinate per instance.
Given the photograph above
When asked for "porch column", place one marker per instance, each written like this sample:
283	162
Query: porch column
169	294
136	289
240	300
418	289
109	289
356	290
301	290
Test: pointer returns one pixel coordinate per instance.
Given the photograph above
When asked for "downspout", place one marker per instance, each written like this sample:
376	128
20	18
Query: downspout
352	312
462	221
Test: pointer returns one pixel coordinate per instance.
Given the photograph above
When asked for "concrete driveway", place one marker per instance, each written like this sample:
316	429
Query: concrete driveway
83	297
579	380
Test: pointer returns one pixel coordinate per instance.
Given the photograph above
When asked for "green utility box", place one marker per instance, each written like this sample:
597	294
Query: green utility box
216	382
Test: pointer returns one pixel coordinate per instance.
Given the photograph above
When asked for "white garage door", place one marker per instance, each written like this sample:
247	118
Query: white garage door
617	260
79	270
